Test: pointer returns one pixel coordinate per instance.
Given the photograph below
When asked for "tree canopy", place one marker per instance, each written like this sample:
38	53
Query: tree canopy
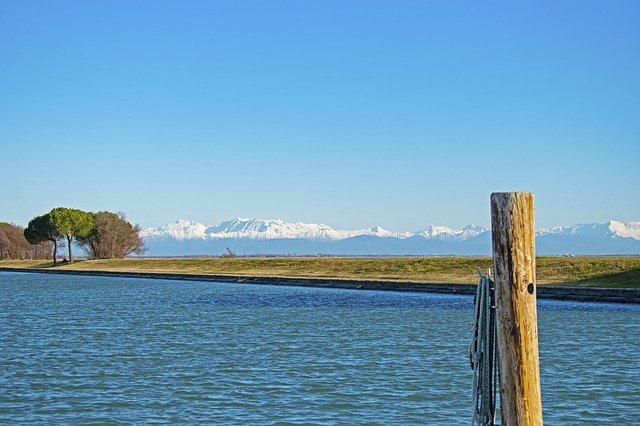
112	236
102	235
41	229
71	224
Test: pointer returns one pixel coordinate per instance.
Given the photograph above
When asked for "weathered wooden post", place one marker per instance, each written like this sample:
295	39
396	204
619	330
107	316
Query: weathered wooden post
514	265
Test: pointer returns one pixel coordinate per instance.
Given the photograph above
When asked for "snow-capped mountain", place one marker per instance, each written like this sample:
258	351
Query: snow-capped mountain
444	232
378	231
272	229
612	228
179	230
263	230
254	236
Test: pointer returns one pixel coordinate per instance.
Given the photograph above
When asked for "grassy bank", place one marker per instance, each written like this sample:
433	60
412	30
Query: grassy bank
621	272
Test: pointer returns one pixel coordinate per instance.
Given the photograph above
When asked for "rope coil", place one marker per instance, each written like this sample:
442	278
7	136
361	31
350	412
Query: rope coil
482	353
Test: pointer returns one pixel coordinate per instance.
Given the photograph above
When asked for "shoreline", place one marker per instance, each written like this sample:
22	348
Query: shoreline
553	292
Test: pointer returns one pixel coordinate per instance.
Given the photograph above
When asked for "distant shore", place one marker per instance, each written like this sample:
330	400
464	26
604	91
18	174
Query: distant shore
584	279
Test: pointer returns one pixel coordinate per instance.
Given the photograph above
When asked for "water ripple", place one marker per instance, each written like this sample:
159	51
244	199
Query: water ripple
110	350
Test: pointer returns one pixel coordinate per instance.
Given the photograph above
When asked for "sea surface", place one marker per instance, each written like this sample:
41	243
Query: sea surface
78	349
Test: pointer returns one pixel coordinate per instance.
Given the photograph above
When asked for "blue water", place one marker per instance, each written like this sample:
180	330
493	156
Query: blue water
99	350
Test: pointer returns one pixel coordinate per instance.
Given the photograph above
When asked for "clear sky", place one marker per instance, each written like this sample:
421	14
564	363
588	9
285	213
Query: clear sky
349	113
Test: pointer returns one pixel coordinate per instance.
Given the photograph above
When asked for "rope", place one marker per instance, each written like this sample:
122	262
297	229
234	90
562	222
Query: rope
482	353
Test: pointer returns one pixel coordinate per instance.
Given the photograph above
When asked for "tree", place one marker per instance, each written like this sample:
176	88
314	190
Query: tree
8	241
112	237
230	254
71	224
13	244
5	241
41	229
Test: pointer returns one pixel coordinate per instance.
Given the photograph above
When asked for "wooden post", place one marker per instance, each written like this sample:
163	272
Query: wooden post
514	264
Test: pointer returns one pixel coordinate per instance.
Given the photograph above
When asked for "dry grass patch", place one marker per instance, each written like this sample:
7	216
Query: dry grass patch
582	271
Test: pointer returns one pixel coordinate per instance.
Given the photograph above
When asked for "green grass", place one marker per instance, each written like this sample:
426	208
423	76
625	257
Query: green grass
578	271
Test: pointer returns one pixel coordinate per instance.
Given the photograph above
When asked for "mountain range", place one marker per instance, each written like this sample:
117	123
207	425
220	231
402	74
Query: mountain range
278	237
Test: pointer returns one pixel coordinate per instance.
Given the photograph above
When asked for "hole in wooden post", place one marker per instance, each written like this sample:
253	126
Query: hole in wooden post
530	288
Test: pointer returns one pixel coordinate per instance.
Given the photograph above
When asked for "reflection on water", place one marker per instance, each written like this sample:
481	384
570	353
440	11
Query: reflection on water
95	349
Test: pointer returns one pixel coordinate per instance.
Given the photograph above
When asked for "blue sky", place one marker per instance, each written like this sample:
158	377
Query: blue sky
350	113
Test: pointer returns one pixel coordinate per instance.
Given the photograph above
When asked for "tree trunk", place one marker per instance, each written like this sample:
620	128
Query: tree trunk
55	250
69	238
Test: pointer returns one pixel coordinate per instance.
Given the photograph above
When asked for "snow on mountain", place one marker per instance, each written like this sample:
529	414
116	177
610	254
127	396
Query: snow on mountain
179	230
472	230
253	236
273	229
612	228
279	229
444	232
378	231
625	230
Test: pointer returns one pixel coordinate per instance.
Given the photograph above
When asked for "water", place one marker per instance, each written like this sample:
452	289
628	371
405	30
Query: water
100	350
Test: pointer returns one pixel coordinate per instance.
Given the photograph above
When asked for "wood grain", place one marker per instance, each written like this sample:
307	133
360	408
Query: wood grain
512	228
